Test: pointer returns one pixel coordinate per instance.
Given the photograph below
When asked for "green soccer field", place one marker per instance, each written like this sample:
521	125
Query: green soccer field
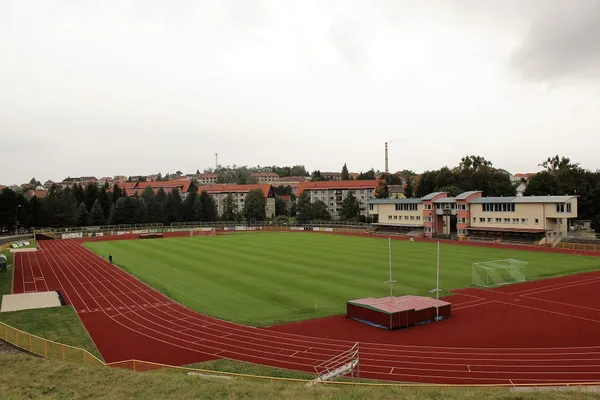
267	278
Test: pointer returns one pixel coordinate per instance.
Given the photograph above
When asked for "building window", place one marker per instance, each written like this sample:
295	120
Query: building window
524	220
537	221
481	219
498	220
412	217
428	230
406	217
515	220
389	217
406	207
507	220
474	219
568	207
490	220
395	217
371	206
418	218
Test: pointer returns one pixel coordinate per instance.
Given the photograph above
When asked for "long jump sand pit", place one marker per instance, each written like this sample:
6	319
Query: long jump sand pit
28	301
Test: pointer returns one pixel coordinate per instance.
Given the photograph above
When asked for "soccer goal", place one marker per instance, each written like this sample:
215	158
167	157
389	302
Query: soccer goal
498	272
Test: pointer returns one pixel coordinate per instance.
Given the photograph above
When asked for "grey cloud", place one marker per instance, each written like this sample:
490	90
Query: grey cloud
563	43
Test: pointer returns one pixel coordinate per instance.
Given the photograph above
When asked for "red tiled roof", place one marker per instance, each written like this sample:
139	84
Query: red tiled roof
182	185
525	175
126	185
232	188
328	185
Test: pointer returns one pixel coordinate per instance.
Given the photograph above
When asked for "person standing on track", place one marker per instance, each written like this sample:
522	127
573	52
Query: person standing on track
110	258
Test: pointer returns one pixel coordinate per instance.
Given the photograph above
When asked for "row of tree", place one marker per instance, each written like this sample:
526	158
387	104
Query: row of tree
306	210
77	206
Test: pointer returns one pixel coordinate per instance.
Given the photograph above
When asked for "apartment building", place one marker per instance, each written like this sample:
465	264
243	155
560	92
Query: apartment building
219	192
206	179
337	176
333	193
265	177
471	214
291	181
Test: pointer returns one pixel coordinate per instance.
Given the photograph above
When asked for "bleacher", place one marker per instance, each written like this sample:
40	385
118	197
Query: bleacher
526	239
397	231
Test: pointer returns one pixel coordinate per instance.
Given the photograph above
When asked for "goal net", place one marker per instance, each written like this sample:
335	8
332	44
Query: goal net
498	272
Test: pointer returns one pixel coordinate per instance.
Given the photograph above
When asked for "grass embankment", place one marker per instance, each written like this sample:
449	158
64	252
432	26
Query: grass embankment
268	278
59	324
6	276
30	377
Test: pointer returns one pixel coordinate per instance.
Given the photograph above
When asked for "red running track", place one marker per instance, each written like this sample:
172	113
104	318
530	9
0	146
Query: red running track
536	332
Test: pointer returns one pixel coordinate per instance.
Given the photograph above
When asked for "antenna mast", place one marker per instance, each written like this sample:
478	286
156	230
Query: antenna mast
216	161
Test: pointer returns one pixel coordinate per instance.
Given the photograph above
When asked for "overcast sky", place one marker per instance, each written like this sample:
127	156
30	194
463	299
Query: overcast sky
137	87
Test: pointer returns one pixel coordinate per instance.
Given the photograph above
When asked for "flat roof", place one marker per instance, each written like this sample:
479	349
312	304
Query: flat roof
399	303
523	199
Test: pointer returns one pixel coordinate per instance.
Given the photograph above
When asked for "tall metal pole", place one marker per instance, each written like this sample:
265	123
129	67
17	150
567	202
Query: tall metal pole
437	284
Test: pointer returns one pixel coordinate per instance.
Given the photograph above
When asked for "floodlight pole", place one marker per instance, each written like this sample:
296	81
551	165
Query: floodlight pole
391	282
437	285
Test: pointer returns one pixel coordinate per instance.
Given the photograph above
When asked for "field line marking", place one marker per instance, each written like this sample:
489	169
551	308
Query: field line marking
474	305
469	368
565	285
549	311
560	302
392	371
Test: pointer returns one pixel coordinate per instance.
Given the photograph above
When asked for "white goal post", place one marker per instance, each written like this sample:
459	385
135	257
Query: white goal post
498	272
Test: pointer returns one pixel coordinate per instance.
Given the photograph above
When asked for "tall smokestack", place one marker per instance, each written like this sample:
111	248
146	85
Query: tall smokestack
386	158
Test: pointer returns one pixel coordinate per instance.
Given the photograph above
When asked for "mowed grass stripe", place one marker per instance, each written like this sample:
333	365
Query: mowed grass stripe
266	278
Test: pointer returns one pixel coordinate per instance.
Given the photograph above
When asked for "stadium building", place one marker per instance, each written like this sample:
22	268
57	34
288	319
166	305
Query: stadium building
471	215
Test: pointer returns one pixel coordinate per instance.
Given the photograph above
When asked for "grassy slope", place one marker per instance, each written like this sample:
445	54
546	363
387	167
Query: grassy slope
269	278
59	324
29	377
6	277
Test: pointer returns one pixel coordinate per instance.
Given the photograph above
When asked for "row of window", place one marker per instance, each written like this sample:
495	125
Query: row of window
560	208
406	207
506	220
406	217
447	206
499	207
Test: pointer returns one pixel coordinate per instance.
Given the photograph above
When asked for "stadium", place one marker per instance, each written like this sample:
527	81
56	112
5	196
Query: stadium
301	298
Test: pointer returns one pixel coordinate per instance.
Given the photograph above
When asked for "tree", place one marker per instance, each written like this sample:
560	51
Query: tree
82	217
126	211
381	190
90	194
188	205
345	174
452	190
320	212
280	207
173	208
197	172
367	176
408	189
229	208
117	193
304	210
317	176
542	184
350	207
8	209
112	214
97	214
205	208
255	205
